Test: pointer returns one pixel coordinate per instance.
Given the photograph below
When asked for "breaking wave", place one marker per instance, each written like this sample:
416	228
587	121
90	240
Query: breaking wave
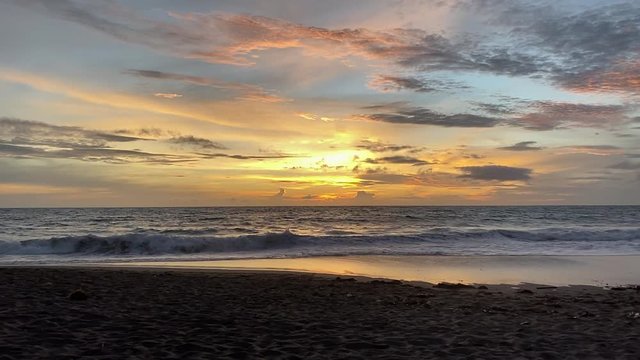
439	241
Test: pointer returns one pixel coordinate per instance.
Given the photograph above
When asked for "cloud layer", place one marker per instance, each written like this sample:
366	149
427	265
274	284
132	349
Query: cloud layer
496	172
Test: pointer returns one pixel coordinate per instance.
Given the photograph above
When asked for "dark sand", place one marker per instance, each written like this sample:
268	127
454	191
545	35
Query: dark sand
152	314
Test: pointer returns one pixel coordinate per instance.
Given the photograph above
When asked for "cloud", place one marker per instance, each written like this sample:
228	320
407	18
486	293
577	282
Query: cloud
548	115
167	95
92	154
398	159
385	178
33	139
600	150
589	179
626	165
191	140
247	157
310	116
364	196
237	37
620	77
247	92
624	135
594	49
161	75
146	132
502	109
376	146
522	146
496	172
27	132
234	39
388	83
401	113
280	194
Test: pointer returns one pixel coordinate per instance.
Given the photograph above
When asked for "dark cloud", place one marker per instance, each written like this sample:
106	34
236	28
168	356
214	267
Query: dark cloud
387	83
626	165
33	139
280	194
549	115
522	146
598	47
247	157
9	150
399	159
624	135
364	196
496	172
401	113
146	132
191	140
473	156
161	75
376	146
27	132
501	109
106	155
592	49
376	177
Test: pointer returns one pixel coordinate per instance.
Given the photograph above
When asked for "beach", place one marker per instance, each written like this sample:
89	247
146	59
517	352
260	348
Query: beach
189	313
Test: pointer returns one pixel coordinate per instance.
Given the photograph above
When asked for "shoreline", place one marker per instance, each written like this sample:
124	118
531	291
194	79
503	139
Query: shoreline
194	313
558	270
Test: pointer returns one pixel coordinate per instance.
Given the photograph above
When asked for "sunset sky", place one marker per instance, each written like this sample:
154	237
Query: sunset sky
332	102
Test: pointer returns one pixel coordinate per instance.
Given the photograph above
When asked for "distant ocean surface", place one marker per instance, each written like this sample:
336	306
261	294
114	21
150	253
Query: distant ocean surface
164	234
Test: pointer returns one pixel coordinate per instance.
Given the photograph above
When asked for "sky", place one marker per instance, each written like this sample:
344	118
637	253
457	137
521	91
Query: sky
333	102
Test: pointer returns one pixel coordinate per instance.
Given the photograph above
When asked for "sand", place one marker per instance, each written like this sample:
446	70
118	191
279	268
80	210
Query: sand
151	313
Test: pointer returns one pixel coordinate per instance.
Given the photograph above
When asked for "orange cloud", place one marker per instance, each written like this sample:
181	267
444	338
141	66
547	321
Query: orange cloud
622	77
549	115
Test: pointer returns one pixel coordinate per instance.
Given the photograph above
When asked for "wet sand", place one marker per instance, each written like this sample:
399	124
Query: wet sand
598	270
160	313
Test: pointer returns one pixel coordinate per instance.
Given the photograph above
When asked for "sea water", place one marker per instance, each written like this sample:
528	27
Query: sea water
178	234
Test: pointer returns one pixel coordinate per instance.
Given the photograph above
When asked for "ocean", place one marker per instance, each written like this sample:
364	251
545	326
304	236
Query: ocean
177	234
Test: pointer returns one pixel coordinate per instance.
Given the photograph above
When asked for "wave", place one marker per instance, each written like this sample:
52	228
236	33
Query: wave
146	244
553	234
440	241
